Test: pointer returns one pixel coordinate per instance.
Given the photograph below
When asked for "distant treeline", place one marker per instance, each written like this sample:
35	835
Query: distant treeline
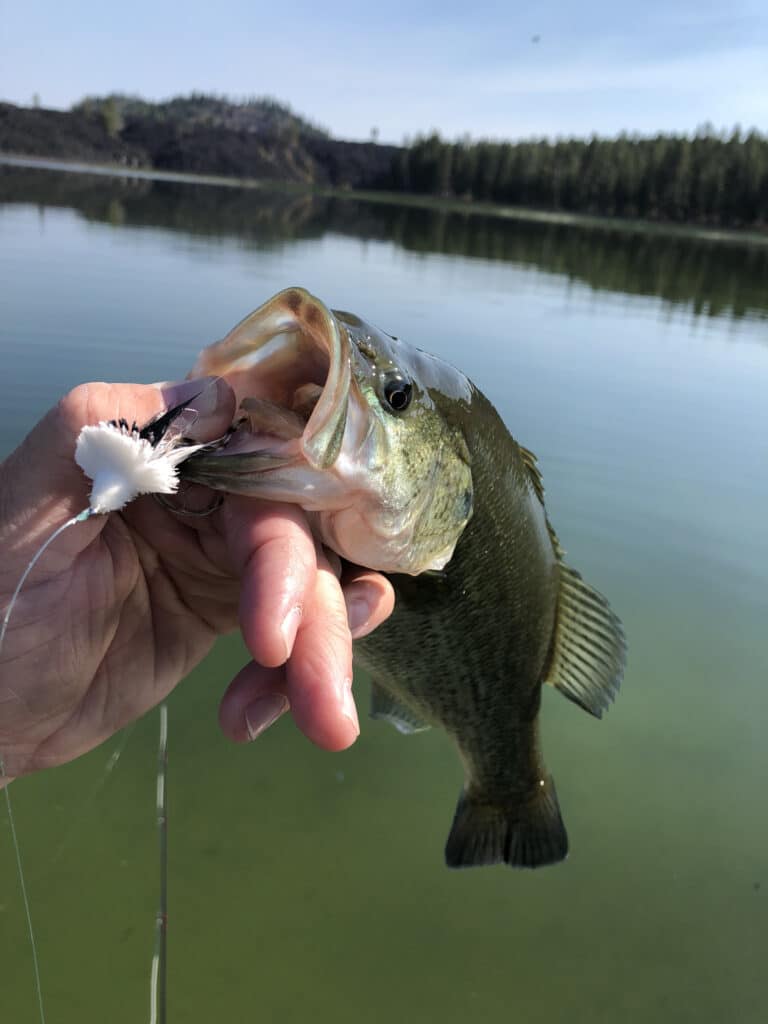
711	178
707	179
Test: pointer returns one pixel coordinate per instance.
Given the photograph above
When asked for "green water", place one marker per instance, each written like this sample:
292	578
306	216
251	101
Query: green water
307	886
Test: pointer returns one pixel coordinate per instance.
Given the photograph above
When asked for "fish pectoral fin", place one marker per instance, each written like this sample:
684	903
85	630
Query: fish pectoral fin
525	834
390	710
589	651
435	574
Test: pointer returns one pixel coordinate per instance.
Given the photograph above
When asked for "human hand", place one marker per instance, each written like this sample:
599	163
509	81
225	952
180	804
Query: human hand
121	607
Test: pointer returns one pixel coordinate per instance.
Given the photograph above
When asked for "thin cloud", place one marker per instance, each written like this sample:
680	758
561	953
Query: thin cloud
686	74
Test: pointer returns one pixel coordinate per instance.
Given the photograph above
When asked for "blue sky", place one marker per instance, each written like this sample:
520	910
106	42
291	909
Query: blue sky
504	70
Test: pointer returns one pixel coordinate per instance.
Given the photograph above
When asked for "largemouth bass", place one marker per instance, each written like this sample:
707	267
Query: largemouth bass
404	466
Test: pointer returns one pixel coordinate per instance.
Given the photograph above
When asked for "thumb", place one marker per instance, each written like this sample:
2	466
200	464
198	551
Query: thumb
41	485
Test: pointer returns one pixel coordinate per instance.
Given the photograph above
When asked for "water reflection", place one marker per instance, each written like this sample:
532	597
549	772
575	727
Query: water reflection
301	879
708	278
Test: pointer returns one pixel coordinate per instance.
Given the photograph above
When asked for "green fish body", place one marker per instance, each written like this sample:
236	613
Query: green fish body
406	467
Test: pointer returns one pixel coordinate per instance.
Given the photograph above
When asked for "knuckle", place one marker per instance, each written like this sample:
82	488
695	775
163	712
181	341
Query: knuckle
83	404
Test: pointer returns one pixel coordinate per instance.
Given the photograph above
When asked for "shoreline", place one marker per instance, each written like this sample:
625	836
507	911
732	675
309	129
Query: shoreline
728	236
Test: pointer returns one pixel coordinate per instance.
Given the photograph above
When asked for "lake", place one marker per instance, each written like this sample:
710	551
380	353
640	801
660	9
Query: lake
311	886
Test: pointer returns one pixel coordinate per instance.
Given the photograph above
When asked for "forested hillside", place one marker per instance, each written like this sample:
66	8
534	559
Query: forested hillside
255	138
710	178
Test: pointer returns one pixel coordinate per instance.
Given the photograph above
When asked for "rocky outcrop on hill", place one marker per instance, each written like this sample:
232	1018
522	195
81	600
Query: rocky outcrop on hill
258	139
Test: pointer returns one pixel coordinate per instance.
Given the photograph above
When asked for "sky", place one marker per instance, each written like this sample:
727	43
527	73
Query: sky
488	69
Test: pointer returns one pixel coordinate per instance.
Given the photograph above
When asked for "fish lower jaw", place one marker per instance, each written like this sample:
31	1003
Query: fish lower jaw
359	539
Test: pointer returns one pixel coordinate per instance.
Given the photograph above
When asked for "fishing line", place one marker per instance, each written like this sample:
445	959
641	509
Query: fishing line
122	462
25	898
79	518
77	815
158	976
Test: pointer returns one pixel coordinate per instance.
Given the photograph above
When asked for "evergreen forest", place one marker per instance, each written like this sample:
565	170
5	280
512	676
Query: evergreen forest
710	178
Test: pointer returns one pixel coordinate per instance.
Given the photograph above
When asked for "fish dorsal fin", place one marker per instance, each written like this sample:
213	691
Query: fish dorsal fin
534	473
589	651
390	710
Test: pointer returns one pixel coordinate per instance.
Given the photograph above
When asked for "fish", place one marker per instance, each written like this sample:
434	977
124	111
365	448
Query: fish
403	465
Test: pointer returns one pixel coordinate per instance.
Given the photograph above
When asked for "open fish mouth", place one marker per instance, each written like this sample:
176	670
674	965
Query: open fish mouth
288	364
325	422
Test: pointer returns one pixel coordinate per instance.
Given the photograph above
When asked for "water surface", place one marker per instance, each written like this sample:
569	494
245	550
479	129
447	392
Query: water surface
306	885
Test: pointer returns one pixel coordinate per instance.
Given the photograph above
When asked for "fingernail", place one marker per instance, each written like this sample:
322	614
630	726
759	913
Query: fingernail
289	628
202	393
347	701
358	611
264	712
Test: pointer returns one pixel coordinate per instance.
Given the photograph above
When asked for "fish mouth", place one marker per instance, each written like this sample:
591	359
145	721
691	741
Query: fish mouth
289	366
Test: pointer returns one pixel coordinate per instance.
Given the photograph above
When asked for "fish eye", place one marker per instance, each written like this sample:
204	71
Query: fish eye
398	393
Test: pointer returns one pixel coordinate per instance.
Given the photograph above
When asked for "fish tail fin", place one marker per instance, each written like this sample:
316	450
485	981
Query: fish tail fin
528	834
